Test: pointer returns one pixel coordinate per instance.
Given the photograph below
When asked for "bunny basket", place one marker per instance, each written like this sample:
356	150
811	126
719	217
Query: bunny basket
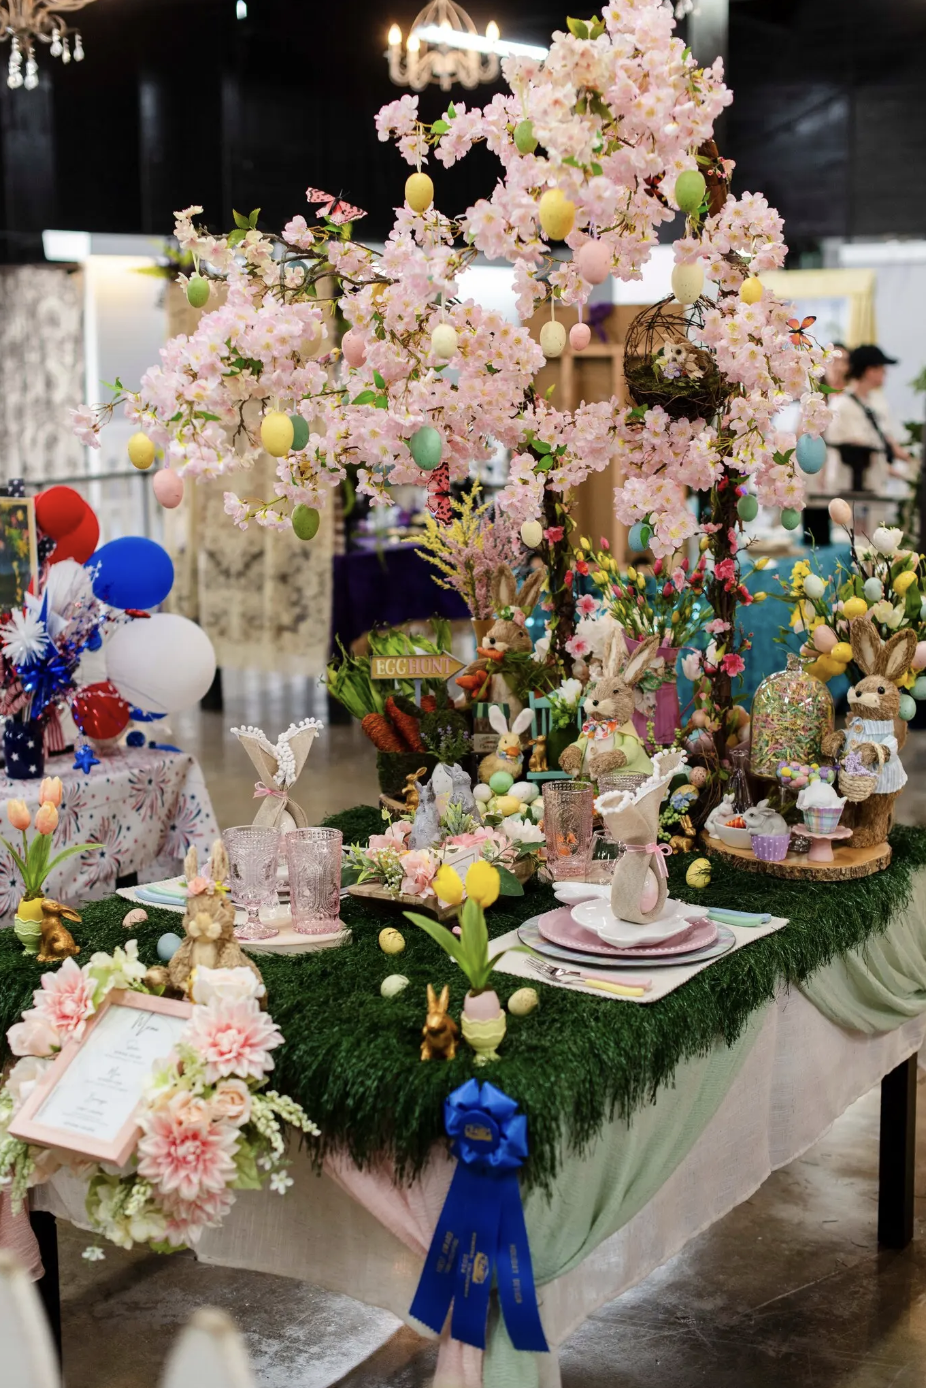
279	766
486	680
609	740
639	887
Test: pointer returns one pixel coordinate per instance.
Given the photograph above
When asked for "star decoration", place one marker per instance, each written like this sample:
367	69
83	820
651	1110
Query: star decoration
84	759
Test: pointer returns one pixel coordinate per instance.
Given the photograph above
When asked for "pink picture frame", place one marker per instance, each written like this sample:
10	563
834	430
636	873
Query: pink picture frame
114	1056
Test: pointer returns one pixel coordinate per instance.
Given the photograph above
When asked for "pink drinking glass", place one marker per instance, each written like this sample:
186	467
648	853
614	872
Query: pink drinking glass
568	811
253	850
314	859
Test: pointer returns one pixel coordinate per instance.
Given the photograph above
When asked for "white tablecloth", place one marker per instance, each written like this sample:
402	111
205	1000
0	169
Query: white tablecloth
144	808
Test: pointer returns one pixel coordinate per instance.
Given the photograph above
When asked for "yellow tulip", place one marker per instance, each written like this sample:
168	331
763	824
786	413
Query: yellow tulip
855	607
17	812
759	597
483	883
448	886
760	563
903	581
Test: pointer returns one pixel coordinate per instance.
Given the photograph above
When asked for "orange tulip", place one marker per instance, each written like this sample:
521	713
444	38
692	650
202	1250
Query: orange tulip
17	812
50	791
46	820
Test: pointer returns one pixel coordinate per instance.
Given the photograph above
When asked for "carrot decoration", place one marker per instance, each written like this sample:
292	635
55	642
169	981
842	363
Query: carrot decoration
406	724
428	703
382	734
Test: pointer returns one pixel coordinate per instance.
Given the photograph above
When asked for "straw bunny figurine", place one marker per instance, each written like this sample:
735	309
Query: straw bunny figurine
638	888
609	741
485	679
509	754
874	723
279	765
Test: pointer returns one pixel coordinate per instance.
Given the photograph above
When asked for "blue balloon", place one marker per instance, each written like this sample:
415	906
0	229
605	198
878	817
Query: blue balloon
132	572
811	453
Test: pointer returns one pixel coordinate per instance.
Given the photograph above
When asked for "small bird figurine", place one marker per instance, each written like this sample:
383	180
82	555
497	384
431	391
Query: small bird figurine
57	941
440	1032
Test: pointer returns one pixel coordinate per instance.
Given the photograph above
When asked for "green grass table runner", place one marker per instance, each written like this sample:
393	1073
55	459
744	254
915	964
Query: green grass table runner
573	1065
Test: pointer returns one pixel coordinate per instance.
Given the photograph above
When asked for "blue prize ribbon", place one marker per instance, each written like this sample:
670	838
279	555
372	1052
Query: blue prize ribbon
481	1229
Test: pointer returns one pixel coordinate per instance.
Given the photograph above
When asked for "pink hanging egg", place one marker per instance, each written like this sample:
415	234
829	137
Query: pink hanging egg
919	656
650	893
593	261
824	638
580	335
168	487
354	348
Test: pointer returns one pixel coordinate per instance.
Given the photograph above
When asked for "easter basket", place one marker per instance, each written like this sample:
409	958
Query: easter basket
663	364
857	781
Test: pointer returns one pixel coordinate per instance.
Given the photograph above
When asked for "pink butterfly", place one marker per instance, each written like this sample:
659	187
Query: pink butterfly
333	208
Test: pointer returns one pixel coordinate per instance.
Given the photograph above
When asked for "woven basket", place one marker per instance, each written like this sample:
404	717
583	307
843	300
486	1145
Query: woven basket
856	787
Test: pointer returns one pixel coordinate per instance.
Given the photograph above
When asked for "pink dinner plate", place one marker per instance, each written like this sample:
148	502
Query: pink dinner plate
698	934
560	929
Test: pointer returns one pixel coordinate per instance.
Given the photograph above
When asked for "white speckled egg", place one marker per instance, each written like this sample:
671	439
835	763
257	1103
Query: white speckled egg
523	1001
482	793
392	986
524	791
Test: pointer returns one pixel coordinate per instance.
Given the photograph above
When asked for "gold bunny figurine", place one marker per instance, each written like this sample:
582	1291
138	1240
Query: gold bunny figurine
57	940
440	1032
538	761
411	791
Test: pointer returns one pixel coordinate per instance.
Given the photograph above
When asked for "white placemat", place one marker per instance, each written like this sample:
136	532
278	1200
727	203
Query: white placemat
664	980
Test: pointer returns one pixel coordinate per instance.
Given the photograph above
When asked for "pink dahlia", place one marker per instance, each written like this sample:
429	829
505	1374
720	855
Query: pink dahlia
65	1000
233	1038
186	1158
186	1219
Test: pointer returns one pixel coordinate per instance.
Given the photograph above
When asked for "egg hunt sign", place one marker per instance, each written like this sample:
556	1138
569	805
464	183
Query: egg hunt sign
414	667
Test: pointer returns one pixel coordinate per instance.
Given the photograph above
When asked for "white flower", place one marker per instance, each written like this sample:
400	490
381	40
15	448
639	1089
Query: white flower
894	618
121	969
569	693
520	831
882	610
280	1182
24	1075
226	985
691	665
887	538
93	1254
24	637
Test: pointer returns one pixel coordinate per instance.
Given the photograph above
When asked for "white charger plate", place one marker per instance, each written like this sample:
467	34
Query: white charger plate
596	915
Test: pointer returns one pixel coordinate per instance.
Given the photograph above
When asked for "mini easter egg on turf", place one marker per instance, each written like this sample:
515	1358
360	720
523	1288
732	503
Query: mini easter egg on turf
523	1001
444	341
688	281
167	946
141	451
391	941
552	339
419	192
354	348
305	521
690	188
699	873
525	141
393	985
276	433
197	291
501	782
751	290
790	518
593	261
532	533
557	214
747	508
168	488
907	706
639	537
580	335
810	453
300	432
426	447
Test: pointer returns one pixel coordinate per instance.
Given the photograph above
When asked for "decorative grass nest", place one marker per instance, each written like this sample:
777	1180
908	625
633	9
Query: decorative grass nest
663	364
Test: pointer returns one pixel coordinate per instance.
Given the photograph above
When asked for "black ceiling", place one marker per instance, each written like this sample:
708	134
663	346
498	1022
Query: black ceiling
179	102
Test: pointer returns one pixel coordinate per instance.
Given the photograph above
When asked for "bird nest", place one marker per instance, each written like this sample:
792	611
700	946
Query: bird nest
664	365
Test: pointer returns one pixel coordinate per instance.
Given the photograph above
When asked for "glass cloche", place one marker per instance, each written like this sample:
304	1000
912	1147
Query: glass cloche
791	712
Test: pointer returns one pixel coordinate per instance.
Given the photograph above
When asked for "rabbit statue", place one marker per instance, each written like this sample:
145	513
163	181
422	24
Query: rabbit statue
609	741
719	815
279	765
509	754
485	680
874	723
762	819
440	1031
57	940
639	884
209	926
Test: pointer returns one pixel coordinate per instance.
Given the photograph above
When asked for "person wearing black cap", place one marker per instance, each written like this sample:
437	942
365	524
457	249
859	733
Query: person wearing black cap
864	455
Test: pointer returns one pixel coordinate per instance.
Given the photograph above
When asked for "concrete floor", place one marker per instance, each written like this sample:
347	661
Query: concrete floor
789	1289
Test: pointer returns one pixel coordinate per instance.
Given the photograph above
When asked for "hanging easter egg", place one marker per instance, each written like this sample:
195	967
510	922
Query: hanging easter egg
690	188
426	447
525	141
444	341
790	518
919	656
840	512
810	453
141	451
639	537
580	335
532	533
919	687
354	347
557	214
392	986
482	793
814	587
276	433
167	946
854	607
699	873
501	782
593	261
747	508
552	339
305	521
907	707
419	192
873	589
300	431
168	488
751	290
688	281
391	941
842	651
523	1001
197	291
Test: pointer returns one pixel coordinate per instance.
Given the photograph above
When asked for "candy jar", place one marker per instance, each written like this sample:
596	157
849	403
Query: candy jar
791	712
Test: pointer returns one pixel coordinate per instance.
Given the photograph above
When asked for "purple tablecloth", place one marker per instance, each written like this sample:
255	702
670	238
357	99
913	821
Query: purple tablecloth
384	589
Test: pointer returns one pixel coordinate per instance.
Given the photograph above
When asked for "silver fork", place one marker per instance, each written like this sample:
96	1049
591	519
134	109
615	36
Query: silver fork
636	989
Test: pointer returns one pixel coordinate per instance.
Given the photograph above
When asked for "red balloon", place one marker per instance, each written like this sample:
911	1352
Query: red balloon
79	544
100	711
59	511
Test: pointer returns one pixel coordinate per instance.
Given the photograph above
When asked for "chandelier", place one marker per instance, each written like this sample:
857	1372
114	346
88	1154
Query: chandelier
27	22
444	46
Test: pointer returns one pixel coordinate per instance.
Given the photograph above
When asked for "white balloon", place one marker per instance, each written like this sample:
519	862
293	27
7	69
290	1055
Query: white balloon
163	664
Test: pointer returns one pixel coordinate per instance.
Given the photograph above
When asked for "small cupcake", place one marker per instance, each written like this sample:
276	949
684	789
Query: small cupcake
821	807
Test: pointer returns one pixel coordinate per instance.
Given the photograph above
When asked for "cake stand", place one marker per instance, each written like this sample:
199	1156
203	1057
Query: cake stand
821	849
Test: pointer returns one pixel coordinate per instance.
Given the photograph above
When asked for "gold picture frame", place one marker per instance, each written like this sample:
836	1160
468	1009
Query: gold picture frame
19	551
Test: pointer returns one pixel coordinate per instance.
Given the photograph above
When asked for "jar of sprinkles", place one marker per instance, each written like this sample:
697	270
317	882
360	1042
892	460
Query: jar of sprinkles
791	712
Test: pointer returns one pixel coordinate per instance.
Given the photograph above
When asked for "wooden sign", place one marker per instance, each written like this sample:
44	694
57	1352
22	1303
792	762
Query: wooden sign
414	667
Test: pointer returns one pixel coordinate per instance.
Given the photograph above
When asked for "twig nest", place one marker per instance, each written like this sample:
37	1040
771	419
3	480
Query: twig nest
444	341
523	1001
426	447
305	521
354	348
690	188
593	261
688	281
557	214
197	291
810	453
580	335
276	433
532	533
552	339
751	290
391	941
392	986
141	451
168	488
135	917
419	192
525	141
699	873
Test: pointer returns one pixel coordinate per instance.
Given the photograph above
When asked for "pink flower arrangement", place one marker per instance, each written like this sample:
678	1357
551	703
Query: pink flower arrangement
187	1157
418	867
63	1003
234	1038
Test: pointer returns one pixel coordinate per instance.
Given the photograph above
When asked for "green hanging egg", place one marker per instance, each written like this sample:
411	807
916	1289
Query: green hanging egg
907	706
919	687
525	141
747	508
306	521
689	190
197	291
790	518
300	432
426	447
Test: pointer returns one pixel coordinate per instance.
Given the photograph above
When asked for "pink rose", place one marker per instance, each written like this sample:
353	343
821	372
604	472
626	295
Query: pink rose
231	1103
33	1036
725	570
419	868
199	886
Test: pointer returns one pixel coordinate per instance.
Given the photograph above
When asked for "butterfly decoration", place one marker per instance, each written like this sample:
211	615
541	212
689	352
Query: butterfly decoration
651	186
439	495
798	333
333	208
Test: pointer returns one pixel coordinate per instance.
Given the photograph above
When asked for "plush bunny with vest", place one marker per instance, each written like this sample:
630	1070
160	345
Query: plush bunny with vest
874	730
485	680
609	740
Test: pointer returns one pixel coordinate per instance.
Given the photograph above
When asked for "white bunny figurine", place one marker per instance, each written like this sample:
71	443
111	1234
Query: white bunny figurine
278	765
509	755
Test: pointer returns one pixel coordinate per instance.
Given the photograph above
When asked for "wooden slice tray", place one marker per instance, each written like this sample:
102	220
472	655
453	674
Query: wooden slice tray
847	862
370	891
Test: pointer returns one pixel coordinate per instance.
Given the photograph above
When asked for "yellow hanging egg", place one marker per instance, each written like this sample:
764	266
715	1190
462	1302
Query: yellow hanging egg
444	341
277	433
552	339
854	607
557	214
841	651
751	290
699	873
688	281
419	192
391	941
141	451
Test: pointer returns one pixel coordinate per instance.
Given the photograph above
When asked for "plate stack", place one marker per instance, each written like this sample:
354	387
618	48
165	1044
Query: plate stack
557	935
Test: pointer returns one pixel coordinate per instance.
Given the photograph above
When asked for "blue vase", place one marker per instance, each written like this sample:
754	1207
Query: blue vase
24	750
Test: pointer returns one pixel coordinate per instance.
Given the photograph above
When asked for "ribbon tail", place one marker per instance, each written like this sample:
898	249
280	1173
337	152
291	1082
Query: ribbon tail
438	1278
484	1196
516	1290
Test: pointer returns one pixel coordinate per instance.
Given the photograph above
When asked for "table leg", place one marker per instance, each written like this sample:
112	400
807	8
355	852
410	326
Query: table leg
45	1228
897	1158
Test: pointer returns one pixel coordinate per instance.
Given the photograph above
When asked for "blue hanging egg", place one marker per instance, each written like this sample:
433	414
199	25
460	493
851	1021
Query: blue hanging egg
639	537
426	447
919	687
811	453
907	706
168	945
873	590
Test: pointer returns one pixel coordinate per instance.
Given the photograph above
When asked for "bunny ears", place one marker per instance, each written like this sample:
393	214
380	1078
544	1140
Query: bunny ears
500	723
279	764
505	593
630	668
891	658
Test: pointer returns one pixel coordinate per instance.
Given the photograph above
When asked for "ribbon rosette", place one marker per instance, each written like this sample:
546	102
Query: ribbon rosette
481	1228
